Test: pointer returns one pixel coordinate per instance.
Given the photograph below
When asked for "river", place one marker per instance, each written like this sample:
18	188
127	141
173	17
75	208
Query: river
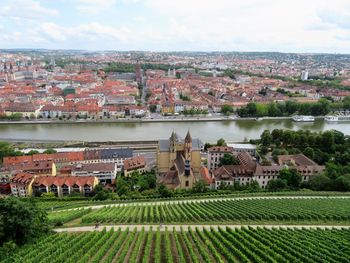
209	131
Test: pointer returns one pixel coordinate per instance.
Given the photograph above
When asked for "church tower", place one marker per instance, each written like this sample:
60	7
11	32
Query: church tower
188	146
172	147
6	73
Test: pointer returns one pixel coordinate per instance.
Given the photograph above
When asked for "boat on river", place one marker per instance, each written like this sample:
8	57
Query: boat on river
331	118
302	118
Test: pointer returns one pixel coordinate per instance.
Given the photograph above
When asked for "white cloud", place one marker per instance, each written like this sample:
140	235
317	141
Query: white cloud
245	25
252	25
93	7
26	9
84	32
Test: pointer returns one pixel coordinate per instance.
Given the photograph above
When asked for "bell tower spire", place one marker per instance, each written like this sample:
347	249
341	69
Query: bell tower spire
188	146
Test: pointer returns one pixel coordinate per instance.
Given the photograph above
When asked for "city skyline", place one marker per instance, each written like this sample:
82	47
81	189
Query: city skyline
152	25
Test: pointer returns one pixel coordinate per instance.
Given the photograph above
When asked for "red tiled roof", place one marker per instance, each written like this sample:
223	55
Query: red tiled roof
22	178
134	163
41	157
205	176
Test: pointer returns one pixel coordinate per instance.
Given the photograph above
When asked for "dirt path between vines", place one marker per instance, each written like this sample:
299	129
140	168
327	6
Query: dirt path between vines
186	227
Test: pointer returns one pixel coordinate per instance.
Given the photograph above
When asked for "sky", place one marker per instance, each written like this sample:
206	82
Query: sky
302	26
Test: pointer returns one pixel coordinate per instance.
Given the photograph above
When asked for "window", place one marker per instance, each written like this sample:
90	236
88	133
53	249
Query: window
65	190
263	182
87	189
187	183
42	188
76	188
54	189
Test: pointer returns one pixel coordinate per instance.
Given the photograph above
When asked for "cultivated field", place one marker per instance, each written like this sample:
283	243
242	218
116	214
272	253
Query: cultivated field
66	203
234	211
195	245
59	218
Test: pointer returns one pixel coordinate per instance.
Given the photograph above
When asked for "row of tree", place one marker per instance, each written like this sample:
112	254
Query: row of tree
127	67
288	108
290	179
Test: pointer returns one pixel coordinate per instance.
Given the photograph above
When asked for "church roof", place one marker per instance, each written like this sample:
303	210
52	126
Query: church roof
171	179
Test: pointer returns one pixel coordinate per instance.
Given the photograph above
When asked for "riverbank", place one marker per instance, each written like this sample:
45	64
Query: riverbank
148	120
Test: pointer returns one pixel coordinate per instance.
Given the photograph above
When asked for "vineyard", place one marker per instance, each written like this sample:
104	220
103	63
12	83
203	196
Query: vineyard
207	245
255	210
57	204
59	218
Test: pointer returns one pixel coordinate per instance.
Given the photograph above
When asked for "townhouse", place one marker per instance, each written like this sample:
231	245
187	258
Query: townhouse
136	164
64	185
21	184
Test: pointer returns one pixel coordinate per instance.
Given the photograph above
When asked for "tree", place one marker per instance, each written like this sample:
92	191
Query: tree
346	103
288	137
273	110
164	191
153	108
309	152
199	187
122	186
221	142
253	186
100	193
228	159
32	152
226	109
277	184
291	176
5	150
263	150
320	183
207	145
50	151
21	221
328	141
277	134
342	183
251	109
266	138
144	181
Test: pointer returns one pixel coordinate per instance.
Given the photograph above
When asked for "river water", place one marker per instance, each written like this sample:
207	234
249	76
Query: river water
209	131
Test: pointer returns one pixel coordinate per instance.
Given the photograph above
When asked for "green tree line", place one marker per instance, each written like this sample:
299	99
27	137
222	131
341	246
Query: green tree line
288	108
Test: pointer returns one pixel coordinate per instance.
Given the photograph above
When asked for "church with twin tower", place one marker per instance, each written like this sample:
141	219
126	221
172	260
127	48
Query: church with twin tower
179	161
